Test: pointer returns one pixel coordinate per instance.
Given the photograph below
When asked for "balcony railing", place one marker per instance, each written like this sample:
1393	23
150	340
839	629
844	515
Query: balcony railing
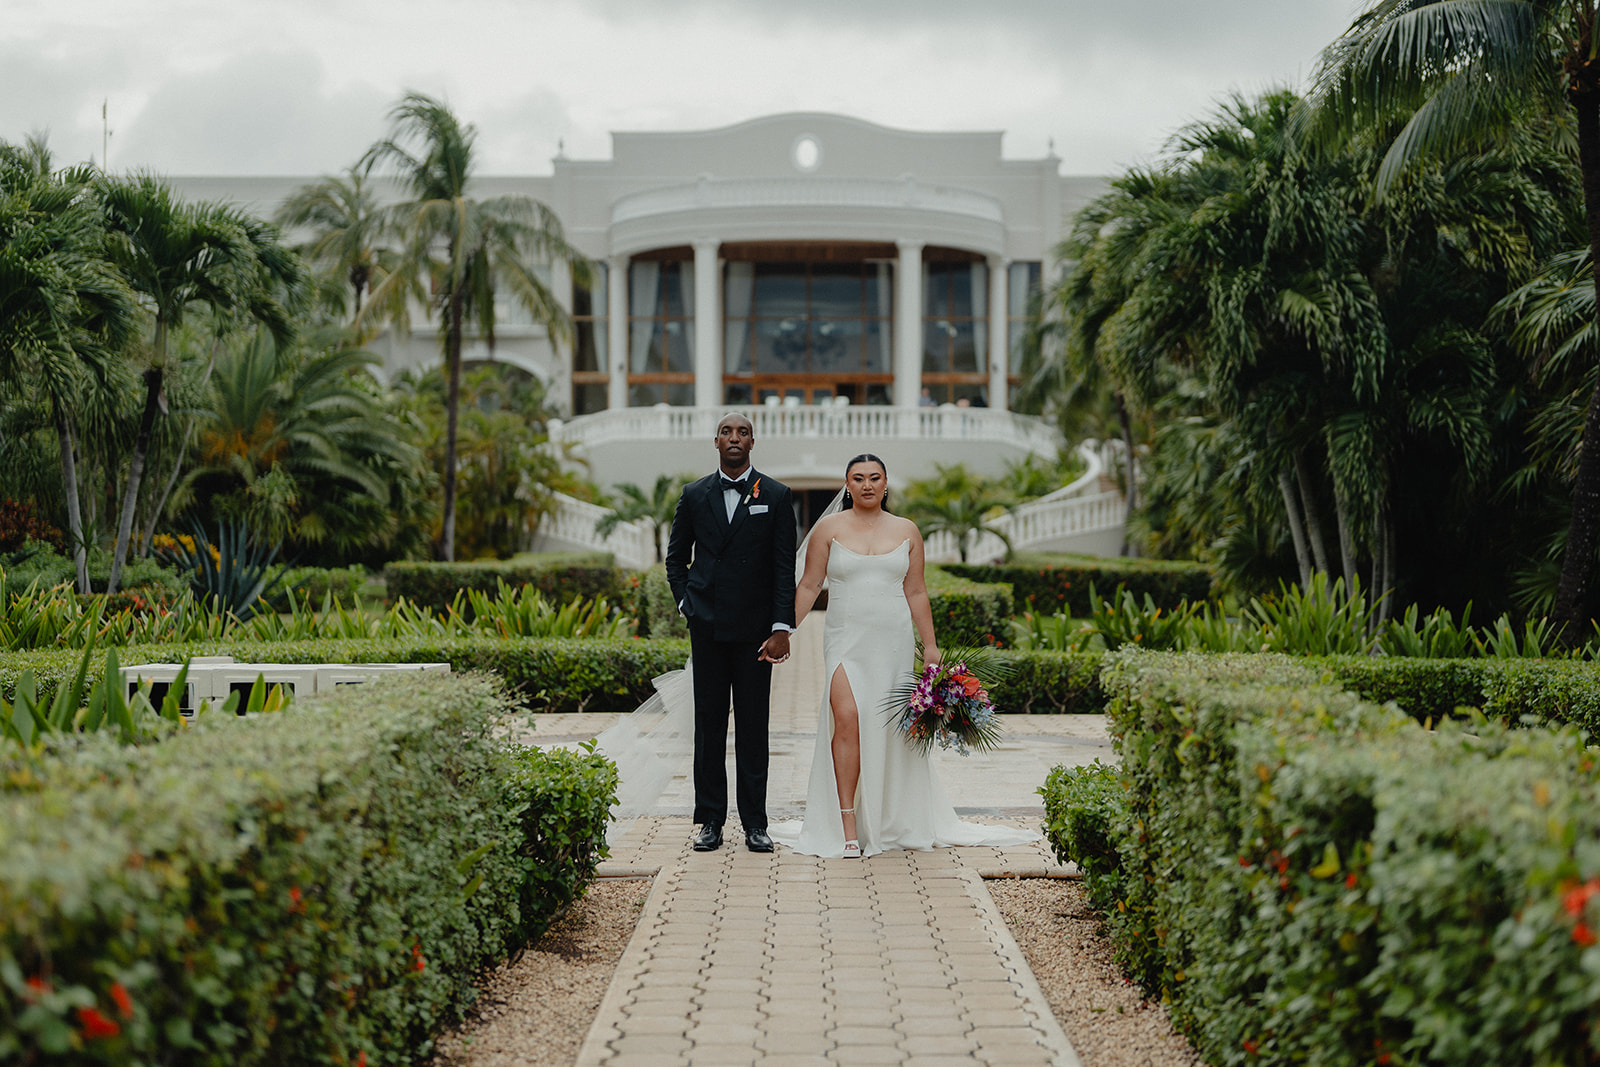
985	425
1077	509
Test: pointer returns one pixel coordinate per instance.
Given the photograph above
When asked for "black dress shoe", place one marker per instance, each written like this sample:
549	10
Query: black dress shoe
758	841
709	839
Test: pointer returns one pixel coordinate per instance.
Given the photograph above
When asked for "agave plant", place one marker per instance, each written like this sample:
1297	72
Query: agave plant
233	574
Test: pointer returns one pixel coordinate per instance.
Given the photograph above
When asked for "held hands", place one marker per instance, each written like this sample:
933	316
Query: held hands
775	649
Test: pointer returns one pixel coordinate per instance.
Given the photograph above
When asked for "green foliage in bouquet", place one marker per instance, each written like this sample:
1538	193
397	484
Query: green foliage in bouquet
949	704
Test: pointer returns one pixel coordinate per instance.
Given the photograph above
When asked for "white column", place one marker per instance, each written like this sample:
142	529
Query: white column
561	362
999	333
617	332
707	325
908	325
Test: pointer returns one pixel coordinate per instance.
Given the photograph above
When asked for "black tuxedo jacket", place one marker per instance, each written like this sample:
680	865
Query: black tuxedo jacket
737	576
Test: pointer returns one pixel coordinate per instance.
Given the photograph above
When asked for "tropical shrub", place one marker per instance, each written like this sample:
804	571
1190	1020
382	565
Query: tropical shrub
1084	814
1046	584
315	887
19	525
560	576
1306	876
234	573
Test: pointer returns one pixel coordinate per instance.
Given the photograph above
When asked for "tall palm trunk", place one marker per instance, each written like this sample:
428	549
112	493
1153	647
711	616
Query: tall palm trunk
1308	500
1297	531
452	411
1572	592
1347	548
1132	493
69	478
141	446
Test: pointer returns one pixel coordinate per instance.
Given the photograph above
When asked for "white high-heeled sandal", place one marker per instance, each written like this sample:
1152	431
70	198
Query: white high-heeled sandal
852	849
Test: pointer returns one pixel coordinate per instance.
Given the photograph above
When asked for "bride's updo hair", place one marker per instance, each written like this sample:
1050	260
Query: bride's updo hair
865	457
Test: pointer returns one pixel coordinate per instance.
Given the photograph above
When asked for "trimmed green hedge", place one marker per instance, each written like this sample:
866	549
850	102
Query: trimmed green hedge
1056	582
1051	683
559	576
1310	877
966	612
342	583
316	886
591	674
653	606
1537	690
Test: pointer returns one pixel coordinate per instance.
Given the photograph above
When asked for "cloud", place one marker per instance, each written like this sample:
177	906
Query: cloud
265	112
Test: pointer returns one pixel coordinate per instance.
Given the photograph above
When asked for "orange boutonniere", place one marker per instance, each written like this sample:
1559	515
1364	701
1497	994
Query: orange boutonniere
755	490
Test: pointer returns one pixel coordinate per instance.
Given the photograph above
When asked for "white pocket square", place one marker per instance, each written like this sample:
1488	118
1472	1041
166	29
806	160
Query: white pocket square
758	509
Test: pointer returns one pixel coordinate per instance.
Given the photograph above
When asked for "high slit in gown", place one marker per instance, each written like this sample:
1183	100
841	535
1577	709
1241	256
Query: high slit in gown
899	800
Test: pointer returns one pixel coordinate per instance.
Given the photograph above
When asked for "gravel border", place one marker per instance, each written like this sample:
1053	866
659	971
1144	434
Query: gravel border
1107	1020
538	1009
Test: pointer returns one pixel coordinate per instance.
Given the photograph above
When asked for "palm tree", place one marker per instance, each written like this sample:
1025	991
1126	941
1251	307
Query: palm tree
346	225
958	502
301	419
486	245
64	312
176	255
1253	273
1461	75
656	507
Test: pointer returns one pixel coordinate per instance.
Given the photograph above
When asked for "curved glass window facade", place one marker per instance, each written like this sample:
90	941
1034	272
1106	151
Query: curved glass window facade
807	331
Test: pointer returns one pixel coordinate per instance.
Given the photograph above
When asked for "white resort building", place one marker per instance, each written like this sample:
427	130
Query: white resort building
850	286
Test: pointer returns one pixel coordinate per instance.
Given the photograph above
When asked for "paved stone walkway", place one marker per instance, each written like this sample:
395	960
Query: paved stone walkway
781	960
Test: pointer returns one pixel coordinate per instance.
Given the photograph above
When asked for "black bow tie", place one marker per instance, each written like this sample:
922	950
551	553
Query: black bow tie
729	483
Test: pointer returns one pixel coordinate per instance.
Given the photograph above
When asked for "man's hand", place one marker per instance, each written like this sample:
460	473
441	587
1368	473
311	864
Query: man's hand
775	649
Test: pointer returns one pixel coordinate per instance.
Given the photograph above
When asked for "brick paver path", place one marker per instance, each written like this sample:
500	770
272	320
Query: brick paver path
783	959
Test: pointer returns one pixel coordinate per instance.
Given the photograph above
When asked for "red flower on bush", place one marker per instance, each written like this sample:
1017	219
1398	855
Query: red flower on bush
119	993
361	1058
1582	935
1576	899
95	1025
295	903
37	987
417	962
1252	1047
1350	880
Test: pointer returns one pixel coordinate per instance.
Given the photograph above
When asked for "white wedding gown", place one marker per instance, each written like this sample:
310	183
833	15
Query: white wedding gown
899	801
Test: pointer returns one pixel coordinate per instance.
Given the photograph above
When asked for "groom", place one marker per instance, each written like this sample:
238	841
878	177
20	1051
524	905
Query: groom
730	562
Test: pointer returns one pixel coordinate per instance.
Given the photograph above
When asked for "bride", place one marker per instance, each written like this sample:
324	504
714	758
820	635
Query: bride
870	789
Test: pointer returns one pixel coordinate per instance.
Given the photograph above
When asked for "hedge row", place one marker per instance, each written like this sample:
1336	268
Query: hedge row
967	612
653	606
1310	877
964	612
317	886
590	674
559	576
1050	583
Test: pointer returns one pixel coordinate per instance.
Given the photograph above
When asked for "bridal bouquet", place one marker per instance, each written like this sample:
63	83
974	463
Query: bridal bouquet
949	703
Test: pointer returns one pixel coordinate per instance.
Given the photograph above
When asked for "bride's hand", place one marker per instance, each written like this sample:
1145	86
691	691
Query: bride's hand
930	656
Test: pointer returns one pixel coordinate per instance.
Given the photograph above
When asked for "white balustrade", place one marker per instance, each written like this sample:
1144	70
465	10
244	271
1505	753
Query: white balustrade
1035	523
574	521
662	423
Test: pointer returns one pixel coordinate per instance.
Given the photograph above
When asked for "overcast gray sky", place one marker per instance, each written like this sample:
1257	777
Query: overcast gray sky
198	87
